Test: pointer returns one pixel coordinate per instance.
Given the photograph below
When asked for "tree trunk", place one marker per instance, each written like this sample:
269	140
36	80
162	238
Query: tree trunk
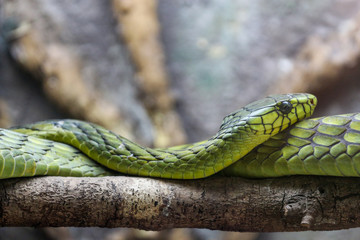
236	204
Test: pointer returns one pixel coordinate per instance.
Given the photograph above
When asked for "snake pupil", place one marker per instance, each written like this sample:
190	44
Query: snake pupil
285	107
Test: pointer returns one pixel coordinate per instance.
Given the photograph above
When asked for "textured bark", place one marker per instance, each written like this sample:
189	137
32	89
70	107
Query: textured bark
236	204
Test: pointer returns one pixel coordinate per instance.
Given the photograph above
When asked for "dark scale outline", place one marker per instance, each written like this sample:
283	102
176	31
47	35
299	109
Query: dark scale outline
339	137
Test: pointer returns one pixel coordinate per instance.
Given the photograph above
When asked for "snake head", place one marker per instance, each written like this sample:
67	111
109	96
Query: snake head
270	115
277	112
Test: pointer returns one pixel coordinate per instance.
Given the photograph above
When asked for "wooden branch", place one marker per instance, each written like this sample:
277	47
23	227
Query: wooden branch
223	203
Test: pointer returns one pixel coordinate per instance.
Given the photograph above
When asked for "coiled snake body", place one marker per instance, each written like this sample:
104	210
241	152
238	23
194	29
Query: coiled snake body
250	142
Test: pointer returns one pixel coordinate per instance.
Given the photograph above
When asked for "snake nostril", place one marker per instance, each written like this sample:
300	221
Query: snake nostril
313	101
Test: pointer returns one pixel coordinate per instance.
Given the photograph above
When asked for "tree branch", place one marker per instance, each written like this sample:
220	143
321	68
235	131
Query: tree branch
223	203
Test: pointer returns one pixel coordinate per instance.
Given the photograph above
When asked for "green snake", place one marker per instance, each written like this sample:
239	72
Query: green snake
255	141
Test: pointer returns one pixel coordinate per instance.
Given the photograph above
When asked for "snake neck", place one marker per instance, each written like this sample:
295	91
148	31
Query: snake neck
199	160
218	152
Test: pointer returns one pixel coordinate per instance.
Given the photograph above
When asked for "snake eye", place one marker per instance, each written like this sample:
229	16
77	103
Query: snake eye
285	107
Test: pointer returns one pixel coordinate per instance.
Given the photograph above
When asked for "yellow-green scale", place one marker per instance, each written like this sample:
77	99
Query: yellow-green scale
322	146
24	156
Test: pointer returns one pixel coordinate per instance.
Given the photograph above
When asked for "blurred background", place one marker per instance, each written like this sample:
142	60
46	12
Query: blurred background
166	72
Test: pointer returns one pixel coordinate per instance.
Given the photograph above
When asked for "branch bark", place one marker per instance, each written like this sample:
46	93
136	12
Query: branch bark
223	203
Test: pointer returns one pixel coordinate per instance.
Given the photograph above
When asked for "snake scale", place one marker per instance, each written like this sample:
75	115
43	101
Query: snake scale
255	141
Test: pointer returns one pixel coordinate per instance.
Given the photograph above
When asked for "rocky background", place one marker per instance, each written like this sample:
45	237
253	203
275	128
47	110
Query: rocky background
166	72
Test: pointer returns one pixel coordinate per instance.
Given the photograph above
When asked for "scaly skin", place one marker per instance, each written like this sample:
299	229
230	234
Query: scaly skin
239	133
23	156
327	146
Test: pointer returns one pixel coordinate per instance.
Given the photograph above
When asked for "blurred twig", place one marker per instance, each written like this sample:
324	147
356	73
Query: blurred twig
321	60
58	69
140	28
